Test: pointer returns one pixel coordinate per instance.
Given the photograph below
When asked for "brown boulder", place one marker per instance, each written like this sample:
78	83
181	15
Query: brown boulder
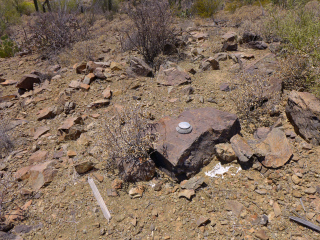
183	155
40	131
275	149
303	111
241	148
38	156
84	167
209	63
42	174
172	77
27	81
71	129
140	68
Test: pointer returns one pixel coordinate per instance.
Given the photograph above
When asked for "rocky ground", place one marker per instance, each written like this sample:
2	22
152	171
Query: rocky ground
57	128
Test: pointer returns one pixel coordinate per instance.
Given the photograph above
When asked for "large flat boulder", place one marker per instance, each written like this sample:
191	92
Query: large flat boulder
183	155
303	111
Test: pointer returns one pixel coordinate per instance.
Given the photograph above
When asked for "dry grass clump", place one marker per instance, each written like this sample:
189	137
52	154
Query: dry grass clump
296	72
80	51
254	102
6	144
129	139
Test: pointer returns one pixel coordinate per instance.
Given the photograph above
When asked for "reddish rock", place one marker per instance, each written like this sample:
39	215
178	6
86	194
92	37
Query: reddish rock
98	176
89	78
69	122
71	129
46	113
275	149
22	173
40	131
172	77
27	81
182	155
84	86
99	103
7	97
42	174
303	111
38	156
241	148
117	184
71	154
81	67
107	93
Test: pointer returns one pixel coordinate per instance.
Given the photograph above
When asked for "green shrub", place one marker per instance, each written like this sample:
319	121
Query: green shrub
206	8
7	47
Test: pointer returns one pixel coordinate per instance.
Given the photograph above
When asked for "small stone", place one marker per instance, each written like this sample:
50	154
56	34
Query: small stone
193	183
71	154
296	194
107	93
83	167
202	221
99	103
158	186
98	176
276	209
261	234
295	179
235	206
117	184
264	220
310	190
225	152
136	192
154	212
261	191
112	193
310	215
187	193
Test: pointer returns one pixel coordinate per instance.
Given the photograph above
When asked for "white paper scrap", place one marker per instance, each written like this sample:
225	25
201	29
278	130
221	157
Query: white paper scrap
220	170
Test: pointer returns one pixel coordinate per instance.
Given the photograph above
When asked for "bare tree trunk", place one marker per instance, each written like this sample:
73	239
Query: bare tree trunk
35	2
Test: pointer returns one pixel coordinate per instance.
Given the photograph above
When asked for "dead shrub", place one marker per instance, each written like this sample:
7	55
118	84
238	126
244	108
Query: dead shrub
80	51
129	139
254	103
151	28
296	72
6	144
51	32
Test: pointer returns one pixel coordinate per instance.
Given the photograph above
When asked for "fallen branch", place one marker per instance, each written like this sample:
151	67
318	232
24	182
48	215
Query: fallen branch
306	223
97	195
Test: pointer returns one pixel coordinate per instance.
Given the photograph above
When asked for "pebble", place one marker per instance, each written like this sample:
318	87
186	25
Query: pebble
295	179
310	190
296	193
261	234
202	221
